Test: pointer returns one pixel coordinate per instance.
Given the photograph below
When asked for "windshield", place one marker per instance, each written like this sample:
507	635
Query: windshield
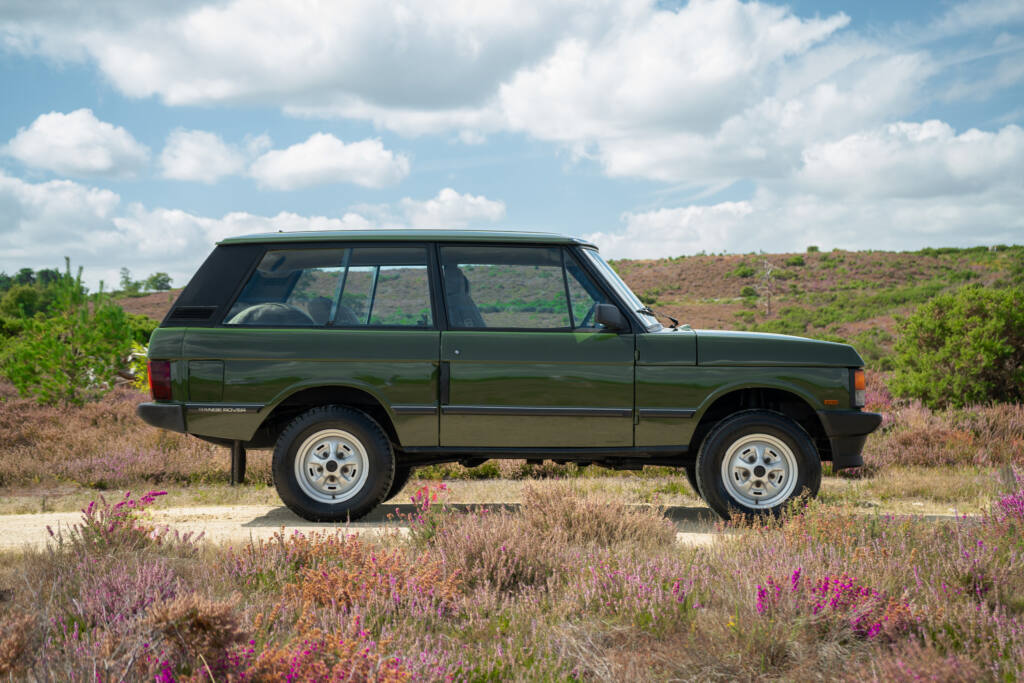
620	287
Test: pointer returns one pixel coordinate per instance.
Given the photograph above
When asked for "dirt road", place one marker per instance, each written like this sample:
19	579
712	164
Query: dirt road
238	524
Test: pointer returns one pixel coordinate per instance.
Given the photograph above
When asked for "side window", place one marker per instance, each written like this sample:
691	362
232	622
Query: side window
290	287
505	287
385	286
356	287
584	296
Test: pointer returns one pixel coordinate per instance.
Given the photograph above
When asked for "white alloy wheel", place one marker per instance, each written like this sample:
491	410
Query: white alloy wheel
759	471
331	466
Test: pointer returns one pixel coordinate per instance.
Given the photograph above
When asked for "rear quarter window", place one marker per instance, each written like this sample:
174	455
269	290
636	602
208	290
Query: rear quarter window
342	287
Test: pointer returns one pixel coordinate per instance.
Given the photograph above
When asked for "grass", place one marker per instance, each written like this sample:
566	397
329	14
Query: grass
575	585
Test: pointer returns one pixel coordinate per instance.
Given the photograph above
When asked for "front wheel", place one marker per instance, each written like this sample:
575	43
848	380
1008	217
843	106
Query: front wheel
756	461
402	475
333	464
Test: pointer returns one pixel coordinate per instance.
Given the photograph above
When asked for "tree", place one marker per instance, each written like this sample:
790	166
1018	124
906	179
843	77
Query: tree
20	301
963	348
73	355
5	281
25	276
128	285
47	276
766	285
158	282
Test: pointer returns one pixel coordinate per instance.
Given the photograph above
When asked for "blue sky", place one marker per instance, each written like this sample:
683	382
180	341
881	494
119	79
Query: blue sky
138	133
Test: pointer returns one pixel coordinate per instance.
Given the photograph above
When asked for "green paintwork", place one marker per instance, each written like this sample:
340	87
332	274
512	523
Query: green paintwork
266	366
206	381
720	347
538	370
408	236
605	384
697	388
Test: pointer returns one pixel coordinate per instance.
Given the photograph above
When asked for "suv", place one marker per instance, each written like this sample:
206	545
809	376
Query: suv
360	355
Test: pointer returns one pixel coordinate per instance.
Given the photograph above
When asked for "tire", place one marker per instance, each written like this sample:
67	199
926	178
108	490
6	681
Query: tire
755	462
691	478
333	464
402	475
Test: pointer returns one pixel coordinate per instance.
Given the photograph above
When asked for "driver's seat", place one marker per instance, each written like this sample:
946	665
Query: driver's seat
462	310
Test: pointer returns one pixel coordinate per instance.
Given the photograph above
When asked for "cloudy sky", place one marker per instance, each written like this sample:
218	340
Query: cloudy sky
138	133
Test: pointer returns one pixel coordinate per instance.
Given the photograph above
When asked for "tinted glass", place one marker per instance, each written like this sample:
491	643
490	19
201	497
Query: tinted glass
386	286
584	296
623	290
505	287
290	288
364	286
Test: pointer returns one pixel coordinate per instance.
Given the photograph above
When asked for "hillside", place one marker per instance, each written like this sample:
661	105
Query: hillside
154	305
844	295
850	295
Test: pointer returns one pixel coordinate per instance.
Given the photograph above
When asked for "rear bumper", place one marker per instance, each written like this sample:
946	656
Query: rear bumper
169	416
847	431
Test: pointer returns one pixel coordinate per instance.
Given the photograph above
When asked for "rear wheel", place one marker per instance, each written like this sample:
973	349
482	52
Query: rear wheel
756	461
333	464
691	477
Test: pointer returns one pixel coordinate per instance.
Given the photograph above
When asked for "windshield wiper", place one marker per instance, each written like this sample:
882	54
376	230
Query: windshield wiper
651	312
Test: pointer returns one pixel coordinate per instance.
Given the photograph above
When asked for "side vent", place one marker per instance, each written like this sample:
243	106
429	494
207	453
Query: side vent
192	313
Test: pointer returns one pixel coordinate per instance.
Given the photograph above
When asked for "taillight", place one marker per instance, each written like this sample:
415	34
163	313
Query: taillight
860	385
160	379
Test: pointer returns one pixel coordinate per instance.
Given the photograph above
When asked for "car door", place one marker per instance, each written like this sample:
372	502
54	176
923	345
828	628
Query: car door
523	363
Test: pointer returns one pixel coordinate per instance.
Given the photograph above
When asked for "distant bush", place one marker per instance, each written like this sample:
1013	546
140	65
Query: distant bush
963	348
748	291
796	260
743	270
812	249
73	355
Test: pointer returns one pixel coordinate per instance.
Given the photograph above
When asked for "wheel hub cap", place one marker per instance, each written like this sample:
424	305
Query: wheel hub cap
759	471
331	466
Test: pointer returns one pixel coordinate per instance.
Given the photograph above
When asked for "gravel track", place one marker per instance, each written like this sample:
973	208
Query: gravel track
238	524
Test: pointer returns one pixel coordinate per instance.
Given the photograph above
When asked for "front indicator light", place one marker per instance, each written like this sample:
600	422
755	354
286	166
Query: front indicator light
860	386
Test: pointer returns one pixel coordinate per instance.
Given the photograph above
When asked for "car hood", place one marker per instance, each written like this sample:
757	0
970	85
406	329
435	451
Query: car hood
721	347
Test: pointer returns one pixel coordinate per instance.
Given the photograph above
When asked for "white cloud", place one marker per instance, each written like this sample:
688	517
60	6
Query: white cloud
966	16
900	186
199	155
914	160
418	54
449	209
78	144
40	223
324	158
779	223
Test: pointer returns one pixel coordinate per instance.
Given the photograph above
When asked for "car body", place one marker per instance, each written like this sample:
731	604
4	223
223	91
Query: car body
457	345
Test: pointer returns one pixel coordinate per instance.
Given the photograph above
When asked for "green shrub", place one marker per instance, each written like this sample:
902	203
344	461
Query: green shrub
142	327
812	249
72	356
743	270
797	260
963	348
748	291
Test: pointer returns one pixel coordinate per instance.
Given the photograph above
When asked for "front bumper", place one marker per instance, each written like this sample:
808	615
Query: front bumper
163	415
847	431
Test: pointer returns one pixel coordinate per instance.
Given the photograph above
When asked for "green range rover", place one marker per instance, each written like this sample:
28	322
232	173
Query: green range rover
360	355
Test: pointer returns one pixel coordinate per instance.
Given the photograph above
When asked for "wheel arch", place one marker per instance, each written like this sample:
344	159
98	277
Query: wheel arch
300	399
785	400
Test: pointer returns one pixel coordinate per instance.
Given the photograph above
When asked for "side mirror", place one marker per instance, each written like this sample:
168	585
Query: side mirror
611	317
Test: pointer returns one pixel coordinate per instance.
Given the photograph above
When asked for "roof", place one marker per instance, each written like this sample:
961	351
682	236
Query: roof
407	235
